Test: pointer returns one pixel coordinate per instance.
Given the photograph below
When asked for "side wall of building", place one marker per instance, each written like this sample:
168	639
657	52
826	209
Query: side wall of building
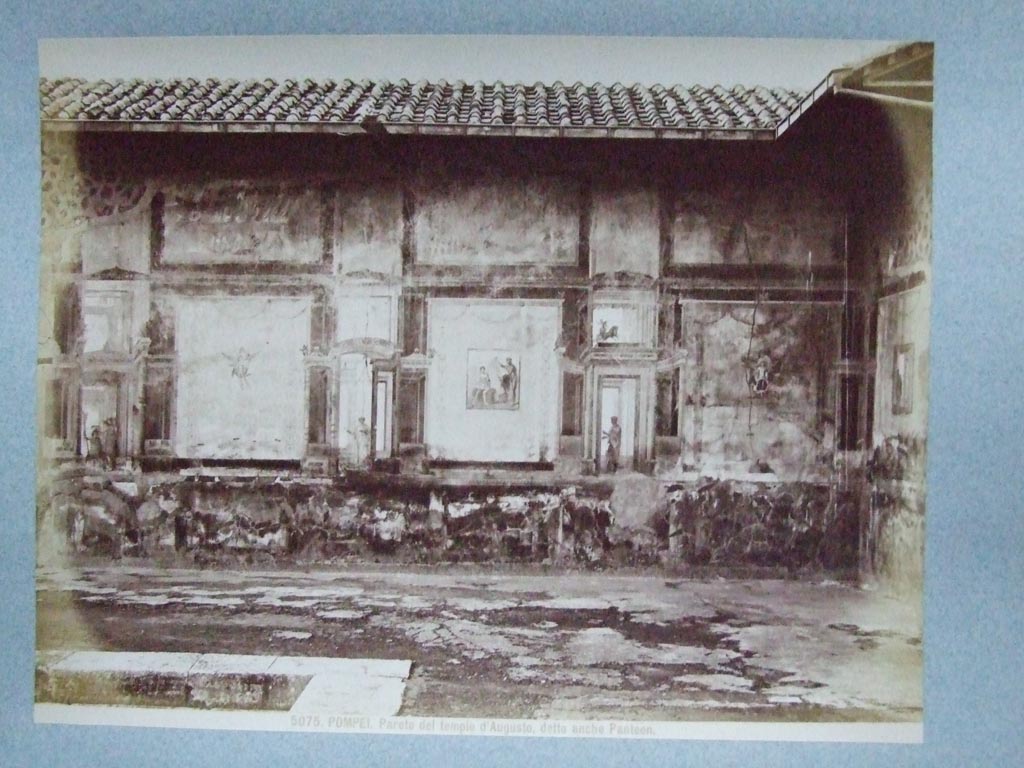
894	239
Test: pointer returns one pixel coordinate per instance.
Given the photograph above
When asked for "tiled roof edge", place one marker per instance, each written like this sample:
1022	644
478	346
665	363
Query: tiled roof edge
440	107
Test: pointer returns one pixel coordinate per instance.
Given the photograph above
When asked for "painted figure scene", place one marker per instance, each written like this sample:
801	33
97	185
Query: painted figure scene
430	372
497	380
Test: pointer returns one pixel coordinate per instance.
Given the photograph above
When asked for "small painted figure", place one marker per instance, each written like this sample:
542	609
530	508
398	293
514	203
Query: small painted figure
604	333
240	365
614	437
94	450
759	375
361	435
180	530
509	381
483	392
108	439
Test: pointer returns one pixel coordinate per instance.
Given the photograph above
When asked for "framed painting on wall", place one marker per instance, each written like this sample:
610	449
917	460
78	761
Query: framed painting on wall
492	379
616	324
903	379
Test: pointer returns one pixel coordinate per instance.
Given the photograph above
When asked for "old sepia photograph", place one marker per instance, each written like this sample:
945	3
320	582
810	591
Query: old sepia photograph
407	390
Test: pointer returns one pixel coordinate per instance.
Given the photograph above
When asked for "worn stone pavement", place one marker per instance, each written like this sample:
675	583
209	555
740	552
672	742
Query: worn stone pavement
526	645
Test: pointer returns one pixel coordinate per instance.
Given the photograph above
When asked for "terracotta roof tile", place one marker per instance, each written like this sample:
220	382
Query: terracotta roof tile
422	104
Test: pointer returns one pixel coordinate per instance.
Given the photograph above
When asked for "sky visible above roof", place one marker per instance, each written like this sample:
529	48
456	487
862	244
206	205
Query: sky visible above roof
786	63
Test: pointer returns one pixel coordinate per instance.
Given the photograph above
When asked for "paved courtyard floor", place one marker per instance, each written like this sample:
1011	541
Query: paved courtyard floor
523	645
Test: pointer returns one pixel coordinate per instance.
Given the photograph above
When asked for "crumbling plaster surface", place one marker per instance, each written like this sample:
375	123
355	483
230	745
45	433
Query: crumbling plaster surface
788	524
728	426
765	214
241	222
624	230
368	230
635	521
490	220
474	212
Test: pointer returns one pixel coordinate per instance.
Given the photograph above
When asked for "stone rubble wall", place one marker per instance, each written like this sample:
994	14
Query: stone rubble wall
776	524
713	523
894	534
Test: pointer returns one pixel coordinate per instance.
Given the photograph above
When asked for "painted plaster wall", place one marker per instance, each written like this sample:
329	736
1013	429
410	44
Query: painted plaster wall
470	212
54	286
488	220
91	223
624	316
122	242
894	221
781	217
99	207
902	407
100	401
368	230
89	207
727	428
896	517
899	237
366	313
241	390
159	327
893	238
242	223
624	234
527	329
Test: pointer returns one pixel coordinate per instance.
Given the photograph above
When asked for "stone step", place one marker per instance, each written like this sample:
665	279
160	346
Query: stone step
222	681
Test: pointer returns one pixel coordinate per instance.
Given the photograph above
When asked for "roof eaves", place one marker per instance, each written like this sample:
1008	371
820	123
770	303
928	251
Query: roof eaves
888	60
821	89
860	81
336	128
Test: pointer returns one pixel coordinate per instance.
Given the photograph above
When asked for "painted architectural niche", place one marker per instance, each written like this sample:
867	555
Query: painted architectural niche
532	328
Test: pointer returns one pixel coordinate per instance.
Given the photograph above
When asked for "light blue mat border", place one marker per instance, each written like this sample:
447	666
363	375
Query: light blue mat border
975	564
